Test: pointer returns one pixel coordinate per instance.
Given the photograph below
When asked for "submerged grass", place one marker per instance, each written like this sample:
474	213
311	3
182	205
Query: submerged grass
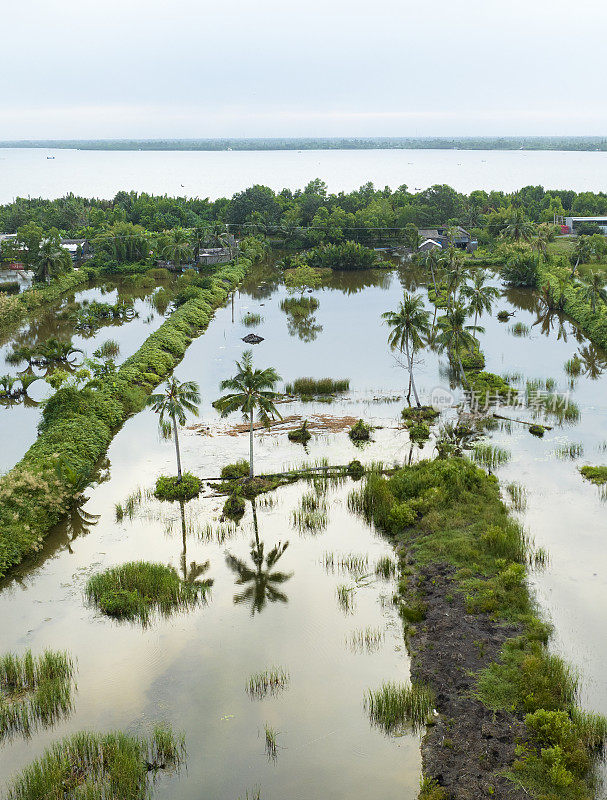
385	568
139	588
518	496
271	742
367	640
569	451
345	598
34	690
94	766
312	514
250	319
489	455
396	707
269	682
312	387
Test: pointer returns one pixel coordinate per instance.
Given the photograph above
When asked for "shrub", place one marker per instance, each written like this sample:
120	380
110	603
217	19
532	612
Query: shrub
238	470
234	507
360	432
420	433
401	516
169	487
521	269
356	469
346	256
138	588
537	430
503	316
300	435
309	387
596	475
412	415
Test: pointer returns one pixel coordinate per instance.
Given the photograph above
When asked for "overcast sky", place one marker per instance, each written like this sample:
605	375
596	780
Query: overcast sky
191	68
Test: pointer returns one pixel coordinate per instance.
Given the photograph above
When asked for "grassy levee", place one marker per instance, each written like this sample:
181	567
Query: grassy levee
78	425
593	324
508	724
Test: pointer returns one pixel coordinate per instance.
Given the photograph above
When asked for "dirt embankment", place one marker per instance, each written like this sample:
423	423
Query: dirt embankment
470	747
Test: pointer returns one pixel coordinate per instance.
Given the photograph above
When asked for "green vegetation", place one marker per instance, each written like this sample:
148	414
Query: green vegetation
596	475
346	255
238	470
360	432
34	690
366	641
395	707
269	682
138	589
520	329
460	521
312	515
78	425
234	507
271	742
308	388
251	390
250	320
537	430
409	325
98	766
300	435
169	487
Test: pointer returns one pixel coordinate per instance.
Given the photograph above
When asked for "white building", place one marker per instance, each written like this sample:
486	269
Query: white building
574	222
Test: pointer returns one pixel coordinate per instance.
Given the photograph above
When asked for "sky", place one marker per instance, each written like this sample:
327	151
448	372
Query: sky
245	68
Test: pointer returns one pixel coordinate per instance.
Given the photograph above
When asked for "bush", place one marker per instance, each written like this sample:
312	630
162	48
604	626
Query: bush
300	435
360	432
346	256
419	433
309	387
413	415
356	469
401	516
596	475
169	487
238	470
503	316
522	269
234	507
537	430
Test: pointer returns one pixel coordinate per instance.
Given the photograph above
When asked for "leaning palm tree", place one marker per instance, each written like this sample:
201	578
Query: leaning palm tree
582	253
455	336
172	405
544	234
409	325
594	290
457	270
251	390
479	295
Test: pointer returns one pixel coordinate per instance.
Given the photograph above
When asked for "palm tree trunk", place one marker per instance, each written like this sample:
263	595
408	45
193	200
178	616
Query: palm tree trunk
251	445
410	365
461	369
177	450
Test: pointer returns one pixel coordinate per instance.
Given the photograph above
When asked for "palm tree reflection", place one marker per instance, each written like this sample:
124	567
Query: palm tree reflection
192	574
261	580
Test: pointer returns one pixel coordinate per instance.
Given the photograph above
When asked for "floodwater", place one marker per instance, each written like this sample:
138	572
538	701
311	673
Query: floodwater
19	418
191	669
98	173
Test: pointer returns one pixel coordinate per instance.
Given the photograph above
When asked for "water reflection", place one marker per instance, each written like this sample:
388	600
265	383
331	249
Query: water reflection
192	574
260	580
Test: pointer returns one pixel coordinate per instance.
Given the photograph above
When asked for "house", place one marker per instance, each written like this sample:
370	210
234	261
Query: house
214	255
574	223
460	237
429	244
79	249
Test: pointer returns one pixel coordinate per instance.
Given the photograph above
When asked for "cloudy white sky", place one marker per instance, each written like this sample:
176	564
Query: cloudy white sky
192	68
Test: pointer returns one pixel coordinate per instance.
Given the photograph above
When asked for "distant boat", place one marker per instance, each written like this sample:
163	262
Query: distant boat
50	158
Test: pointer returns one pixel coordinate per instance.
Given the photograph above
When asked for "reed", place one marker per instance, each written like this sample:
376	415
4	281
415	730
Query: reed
518	496
385	568
249	320
312	387
345	598
367	640
395	707
34	690
99	766
138	589
271	742
569	451
269	682
489	455
349	563
312	515
520	329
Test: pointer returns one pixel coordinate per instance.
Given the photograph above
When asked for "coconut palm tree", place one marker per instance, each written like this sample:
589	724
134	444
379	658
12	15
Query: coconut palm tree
544	234
177	249
409	325
455	336
594	290
457	270
251	390
432	261
479	295
171	405
583	252
518	227
200	236
261	581
49	261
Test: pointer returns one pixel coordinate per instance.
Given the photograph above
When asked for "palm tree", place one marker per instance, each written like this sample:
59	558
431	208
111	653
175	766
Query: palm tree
479	295
455	336
251	390
172	405
177	249
200	236
261	580
192	575
409	324
457	270
431	260
544	234
594	290
49	261
518	228
583	252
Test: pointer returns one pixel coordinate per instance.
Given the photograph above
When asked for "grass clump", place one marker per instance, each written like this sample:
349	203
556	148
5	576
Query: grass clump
238	470
271	742
396	707
385	568
100	766
312	514
300	435
489	455
569	451
269	682
345	598
573	366
537	430
360	432
429	788
520	329
234	507
367	640
413	415
250	320
139	588
503	316
34	690
597	475
314	387
518	496
169	487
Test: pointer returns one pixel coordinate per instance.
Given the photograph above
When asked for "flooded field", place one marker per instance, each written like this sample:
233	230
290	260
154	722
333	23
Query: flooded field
321	614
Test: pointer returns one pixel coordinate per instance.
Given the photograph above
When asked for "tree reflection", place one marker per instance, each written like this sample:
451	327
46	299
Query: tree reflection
594	361
192	574
260	580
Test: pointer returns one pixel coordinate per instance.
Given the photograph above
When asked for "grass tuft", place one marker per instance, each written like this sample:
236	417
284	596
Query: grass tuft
312	387
269	682
396	707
